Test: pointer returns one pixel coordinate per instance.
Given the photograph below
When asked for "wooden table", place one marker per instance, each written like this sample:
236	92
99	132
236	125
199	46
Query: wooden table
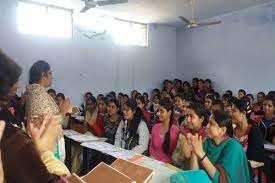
162	173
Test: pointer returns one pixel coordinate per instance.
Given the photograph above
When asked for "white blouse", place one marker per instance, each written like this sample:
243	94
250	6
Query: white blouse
143	133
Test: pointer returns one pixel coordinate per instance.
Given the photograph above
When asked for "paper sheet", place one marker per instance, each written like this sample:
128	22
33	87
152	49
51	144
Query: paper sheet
69	133
102	146
83	138
269	146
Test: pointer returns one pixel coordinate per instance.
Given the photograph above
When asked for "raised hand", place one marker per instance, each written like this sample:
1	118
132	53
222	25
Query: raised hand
65	106
45	136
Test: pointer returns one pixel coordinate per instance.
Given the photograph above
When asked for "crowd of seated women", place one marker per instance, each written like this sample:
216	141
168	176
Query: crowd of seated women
188	125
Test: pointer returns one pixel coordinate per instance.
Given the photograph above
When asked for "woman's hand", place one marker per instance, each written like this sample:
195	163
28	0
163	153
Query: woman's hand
65	106
45	136
90	121
196	142
2	128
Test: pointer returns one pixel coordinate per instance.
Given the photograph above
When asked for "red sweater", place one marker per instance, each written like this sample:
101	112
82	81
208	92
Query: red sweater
97	127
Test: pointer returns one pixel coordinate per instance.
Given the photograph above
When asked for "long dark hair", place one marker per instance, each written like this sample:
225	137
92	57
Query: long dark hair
168	105
223	119
10	72
37	70
243	105
199	109
136	119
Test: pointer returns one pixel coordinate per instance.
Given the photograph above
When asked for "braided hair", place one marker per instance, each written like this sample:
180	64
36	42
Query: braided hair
168	105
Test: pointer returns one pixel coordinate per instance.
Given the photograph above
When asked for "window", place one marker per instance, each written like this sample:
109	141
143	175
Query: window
129	33
41	19
122	32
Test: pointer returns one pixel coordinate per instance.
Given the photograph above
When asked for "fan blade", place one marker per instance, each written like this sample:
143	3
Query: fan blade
185	20
209	23
110	2
87	7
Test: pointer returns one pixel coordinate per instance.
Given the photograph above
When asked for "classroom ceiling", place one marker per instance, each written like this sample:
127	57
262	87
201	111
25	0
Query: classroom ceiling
163	11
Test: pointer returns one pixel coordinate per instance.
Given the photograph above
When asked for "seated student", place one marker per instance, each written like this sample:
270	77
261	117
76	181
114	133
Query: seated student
229	92
187	91
169	88
267	124
155	103
133	94
196	123
59	99
177	86
228	101
217	105
216	95
248	134
208	103
200	97
165	134
93	118
260	99
124	100
195	85
208	86
102	106
52	93
112	94
100	97
146	98
132	132
251	100
241	93
155	92
27	159
145	114
83	107
179	101
112	120
221	156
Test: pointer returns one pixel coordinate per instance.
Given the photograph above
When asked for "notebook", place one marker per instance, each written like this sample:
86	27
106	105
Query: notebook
75	179
136	172
104	173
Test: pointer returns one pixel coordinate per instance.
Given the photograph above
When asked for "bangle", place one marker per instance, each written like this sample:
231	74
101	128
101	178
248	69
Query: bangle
204	156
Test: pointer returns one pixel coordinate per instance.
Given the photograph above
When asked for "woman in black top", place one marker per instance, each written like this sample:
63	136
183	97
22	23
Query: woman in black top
248	134
112	120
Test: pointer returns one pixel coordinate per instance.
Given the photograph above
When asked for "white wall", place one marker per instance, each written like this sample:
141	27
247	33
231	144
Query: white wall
81	65
239	53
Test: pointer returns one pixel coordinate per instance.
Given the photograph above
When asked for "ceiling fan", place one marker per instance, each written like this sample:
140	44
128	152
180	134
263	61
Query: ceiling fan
93	3
193	23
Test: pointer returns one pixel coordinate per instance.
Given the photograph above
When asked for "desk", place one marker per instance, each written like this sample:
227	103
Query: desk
71	137
162	174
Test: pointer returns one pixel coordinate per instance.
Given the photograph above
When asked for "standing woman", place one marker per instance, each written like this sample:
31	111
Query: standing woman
132	133
39	102
221	156
165	134
25	158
